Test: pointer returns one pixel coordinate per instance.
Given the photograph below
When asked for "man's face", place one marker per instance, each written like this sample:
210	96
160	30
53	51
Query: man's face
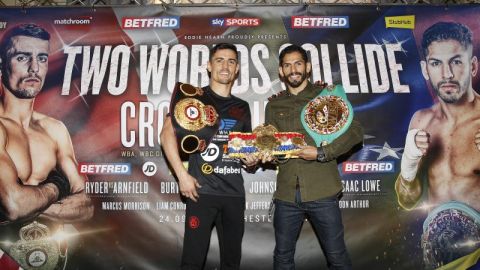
294	70
223	66
26	66
449	67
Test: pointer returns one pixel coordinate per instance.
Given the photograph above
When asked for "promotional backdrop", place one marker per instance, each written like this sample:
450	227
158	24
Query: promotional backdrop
112	71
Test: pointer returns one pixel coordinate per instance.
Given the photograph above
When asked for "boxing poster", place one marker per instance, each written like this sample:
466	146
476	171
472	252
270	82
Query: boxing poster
103	81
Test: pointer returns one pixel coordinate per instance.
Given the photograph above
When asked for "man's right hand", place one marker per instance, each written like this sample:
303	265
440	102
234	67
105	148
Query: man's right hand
60	181
416	145
188	186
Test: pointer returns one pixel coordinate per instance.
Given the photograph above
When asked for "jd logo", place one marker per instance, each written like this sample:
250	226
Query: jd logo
149	168
211	153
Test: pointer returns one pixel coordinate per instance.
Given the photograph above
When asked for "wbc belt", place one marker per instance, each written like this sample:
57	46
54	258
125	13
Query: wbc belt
451	231
328	115
194	117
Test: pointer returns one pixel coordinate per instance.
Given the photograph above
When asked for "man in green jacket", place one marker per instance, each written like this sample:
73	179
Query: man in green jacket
309	186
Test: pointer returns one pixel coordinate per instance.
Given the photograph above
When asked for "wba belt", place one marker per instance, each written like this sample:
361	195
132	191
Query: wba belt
328	115
194	117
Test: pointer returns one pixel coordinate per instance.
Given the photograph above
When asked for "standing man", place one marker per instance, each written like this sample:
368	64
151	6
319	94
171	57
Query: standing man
213	185
443	142
39	174
309	186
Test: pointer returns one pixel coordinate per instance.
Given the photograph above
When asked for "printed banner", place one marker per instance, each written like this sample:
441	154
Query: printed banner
105	78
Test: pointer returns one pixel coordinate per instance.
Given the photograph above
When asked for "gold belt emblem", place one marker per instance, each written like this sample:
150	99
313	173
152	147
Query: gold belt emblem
326	114
36	249
191	114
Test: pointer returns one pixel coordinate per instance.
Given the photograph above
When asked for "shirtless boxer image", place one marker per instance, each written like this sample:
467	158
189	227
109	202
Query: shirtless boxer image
442	149
40	187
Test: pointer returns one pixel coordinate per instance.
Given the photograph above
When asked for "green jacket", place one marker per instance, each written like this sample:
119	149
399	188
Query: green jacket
316	180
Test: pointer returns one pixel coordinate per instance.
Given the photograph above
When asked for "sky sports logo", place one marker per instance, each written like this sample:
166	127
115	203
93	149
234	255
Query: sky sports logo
320	22
105	168
74	21
170	22
368	167
232	22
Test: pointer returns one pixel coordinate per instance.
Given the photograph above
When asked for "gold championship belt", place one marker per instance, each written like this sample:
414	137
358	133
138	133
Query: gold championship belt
265	139
194	117
37	249
328	115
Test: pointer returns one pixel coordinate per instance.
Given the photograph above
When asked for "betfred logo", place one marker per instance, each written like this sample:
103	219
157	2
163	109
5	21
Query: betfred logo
320	22
104	168
235	22
368	167
172	22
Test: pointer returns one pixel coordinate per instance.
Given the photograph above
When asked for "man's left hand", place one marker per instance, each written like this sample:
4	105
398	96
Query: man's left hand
308	152
250	160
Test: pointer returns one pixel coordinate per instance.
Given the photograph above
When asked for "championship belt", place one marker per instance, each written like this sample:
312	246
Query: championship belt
36	249
451	231
194	117
328	115
265	139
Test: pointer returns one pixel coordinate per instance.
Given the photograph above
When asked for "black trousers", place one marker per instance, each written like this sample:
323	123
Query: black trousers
226	213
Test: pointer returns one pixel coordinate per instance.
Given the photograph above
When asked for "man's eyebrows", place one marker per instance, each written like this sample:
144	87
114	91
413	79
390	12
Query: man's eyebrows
439	60
225	58
28	53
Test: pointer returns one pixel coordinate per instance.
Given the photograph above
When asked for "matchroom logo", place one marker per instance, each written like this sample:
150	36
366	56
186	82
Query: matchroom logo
320	22
171	22
74	21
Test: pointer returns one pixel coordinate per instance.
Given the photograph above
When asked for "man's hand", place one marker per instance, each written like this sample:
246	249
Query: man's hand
477	139
416	146
188	186
250	160
422	141
60	181
308	152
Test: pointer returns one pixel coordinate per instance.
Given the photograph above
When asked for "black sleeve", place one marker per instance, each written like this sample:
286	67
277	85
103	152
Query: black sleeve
247	127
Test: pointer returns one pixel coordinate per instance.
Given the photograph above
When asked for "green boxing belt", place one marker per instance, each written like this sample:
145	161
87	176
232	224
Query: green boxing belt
328	115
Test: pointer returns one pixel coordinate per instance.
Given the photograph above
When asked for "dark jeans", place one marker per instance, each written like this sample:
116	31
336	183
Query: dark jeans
226	213
326	219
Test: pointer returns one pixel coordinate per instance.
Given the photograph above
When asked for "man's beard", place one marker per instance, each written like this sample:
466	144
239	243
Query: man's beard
294	84
24	93
454	97
19	92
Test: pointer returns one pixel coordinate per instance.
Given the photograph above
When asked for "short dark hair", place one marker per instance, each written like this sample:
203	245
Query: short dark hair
27	29
443	31
223	46
290	49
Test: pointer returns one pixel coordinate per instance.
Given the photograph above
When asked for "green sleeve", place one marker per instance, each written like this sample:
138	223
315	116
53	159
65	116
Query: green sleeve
269	115
344	143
